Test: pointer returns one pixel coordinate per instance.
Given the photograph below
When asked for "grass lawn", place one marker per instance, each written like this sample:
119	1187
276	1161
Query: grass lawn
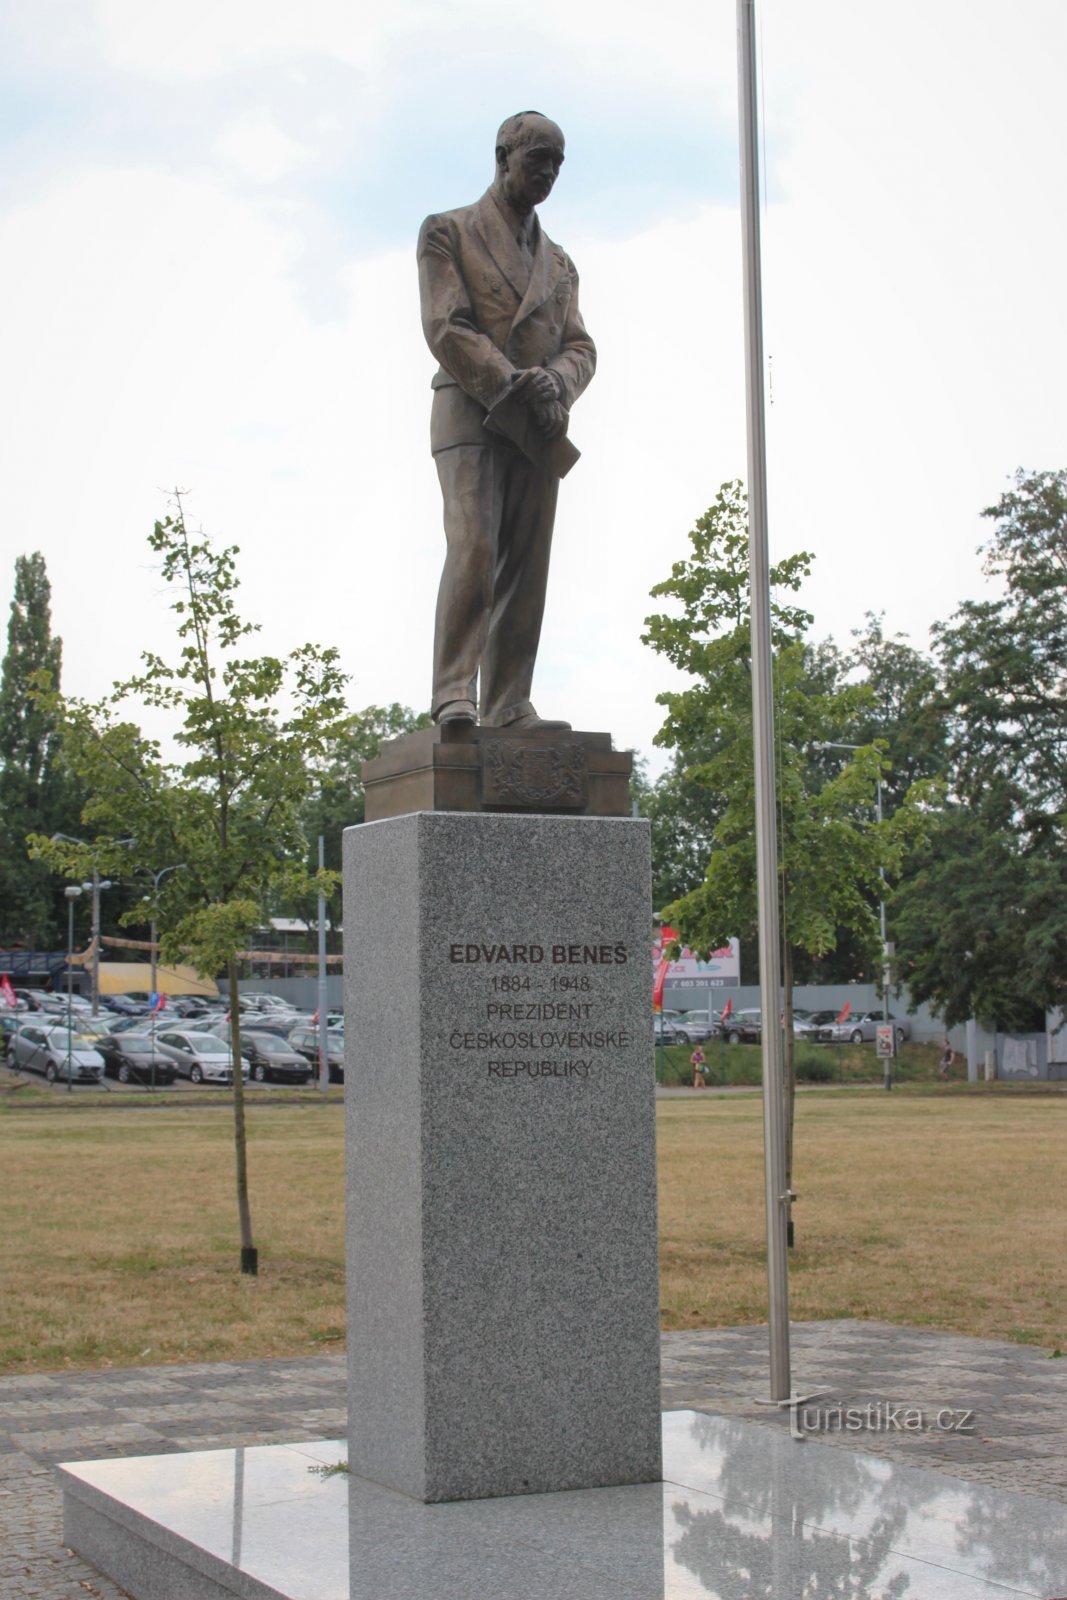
118	1236
941	1210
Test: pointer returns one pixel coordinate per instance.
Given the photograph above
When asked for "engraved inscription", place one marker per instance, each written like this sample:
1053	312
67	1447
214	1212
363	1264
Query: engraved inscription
578	1033
518	774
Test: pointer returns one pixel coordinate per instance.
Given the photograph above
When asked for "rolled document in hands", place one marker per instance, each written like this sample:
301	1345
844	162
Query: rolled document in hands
513	417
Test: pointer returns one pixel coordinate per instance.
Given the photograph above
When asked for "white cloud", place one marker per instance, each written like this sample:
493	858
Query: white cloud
259	149
684	43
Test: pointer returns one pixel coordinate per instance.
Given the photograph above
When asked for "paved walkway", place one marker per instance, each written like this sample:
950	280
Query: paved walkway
1016	1437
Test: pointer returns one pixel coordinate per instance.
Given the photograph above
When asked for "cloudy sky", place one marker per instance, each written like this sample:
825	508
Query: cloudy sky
208	211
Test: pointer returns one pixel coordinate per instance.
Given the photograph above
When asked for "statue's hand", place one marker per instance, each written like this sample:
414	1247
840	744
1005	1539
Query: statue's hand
540	386
551	418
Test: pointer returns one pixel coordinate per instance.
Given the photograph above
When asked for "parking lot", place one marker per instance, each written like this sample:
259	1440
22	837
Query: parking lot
152	1043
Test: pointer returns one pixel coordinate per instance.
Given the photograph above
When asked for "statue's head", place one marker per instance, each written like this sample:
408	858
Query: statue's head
529	154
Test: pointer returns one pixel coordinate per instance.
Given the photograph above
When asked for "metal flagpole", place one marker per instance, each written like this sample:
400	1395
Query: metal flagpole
324	1035
777	1198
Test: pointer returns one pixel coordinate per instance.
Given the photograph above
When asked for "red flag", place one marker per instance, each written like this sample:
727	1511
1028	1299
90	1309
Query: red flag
726	1010
845	1012
657	985
7	991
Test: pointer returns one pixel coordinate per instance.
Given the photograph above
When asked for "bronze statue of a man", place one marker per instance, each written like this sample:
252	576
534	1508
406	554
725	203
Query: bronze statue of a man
500	313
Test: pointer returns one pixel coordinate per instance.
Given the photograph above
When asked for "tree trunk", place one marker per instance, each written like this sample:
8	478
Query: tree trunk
249	1254
790	1084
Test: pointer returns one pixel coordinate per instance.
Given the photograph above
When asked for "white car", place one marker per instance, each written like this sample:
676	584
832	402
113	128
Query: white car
200	1057
37	1047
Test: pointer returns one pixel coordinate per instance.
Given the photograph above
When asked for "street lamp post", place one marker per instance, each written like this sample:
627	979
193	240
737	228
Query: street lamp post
94	888
157	879
72	892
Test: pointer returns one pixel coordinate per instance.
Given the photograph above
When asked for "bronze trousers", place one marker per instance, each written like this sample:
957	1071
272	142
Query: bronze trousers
498	510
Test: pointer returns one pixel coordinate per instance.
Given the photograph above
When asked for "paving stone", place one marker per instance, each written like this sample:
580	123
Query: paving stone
1018	1395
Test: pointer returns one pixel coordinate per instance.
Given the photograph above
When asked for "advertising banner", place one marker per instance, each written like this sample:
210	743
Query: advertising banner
721	970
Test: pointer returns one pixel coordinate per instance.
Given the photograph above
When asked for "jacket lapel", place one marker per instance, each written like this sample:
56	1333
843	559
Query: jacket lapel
501	246
543	278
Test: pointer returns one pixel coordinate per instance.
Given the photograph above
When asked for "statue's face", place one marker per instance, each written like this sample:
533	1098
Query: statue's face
529	171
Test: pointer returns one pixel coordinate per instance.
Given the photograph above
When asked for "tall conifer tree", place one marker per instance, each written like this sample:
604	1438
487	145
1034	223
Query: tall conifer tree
34	795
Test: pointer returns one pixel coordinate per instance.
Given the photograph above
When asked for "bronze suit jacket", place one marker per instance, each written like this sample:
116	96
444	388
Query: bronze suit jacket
487	316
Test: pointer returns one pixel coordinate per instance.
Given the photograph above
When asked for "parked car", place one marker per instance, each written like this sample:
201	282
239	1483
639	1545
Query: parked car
92	1027
134	1057
821	1020
274	1059
871	1021
280	1023
191	1006
863	1028
251	1001
117	1024
40	1047
200	1057
742	1027
664	1030
306	1040
804	1024
30	999
125	1006
693	1027
57	1005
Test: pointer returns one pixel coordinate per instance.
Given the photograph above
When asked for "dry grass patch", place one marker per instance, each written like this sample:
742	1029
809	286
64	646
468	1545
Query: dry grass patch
118	1241
119	1237
938	1211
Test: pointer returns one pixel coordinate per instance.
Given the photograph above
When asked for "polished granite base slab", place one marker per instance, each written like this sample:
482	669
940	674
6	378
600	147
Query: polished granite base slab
743	1512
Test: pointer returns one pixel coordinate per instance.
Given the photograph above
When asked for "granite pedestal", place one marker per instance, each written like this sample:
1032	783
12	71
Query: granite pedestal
503	1327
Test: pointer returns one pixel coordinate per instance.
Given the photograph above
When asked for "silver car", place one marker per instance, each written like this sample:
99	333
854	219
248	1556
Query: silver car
861	1029
200	1057
42	1047
693	1027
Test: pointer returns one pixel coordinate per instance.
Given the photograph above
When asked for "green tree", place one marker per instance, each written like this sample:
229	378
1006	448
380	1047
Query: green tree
683	815
979	920
980	923
336	798
830	847
906	709
37	794
249	732
1004	661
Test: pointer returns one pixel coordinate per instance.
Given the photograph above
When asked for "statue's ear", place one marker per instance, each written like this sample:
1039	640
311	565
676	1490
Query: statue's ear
501	158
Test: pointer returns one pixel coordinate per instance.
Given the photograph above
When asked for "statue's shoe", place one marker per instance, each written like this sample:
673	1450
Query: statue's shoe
530	722
458	711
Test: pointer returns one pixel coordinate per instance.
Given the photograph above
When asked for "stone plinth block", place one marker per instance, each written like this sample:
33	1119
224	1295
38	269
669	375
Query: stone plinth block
503	1306
457	767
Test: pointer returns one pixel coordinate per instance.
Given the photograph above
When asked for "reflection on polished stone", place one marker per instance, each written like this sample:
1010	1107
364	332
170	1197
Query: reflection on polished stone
745	1512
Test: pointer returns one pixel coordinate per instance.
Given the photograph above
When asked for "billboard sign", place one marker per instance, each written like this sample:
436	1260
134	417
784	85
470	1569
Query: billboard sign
721	970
